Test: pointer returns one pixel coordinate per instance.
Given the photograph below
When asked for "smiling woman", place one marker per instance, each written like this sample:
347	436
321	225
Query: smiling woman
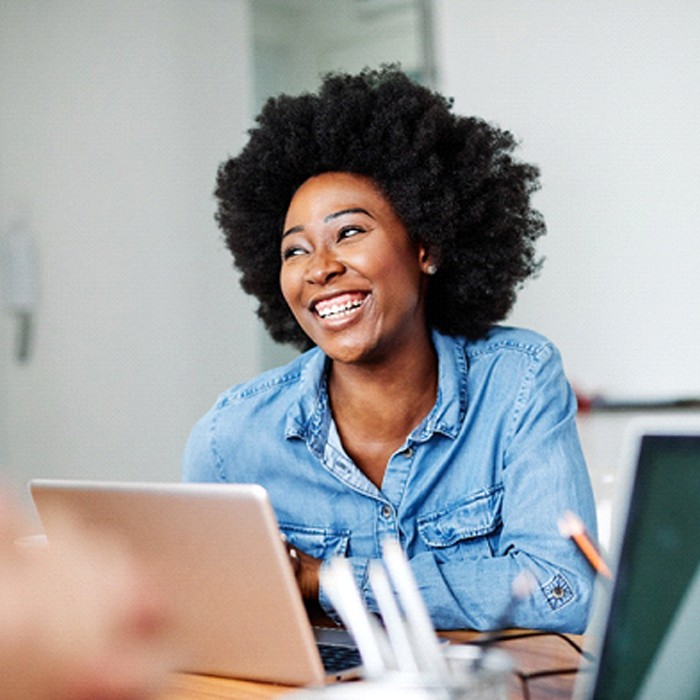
388	236
356	284
351	275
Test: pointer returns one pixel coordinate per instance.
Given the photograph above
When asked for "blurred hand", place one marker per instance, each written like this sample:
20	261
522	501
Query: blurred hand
78	618
307	571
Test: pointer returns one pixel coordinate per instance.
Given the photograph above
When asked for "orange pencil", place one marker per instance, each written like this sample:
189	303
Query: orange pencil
570	525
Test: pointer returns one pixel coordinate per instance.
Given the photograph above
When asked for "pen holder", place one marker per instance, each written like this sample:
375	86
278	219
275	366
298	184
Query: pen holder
473	673
477	673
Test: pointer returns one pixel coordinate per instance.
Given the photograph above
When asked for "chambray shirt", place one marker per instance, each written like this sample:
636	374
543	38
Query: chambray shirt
474	495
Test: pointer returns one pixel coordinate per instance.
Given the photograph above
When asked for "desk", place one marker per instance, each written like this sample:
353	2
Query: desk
530	654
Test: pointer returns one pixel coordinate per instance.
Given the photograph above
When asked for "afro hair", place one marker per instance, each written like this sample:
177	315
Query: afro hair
452	180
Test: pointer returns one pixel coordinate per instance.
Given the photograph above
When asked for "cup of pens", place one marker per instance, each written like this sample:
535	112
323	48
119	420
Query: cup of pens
485	678
403	656
477	673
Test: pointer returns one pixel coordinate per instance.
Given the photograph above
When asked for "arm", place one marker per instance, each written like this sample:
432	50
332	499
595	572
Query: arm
199	463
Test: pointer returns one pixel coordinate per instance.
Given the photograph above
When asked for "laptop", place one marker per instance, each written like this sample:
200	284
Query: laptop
646	625
217	553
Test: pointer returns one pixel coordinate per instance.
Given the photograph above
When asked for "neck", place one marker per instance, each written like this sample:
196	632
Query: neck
385	400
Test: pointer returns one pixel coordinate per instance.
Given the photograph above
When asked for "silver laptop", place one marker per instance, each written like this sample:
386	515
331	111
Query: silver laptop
217	552
646	628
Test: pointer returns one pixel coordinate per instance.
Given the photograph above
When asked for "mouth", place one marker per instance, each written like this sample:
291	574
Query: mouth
340	306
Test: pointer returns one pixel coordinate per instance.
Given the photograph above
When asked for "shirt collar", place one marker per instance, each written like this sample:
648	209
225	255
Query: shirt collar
307	415
451	403
311	414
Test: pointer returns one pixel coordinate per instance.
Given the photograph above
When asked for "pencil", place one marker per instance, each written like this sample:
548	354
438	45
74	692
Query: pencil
570	525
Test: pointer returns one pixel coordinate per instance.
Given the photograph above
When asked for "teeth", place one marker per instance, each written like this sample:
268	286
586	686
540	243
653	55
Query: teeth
339	309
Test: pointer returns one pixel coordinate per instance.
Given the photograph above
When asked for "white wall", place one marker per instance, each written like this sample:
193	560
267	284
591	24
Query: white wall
113	119
605	97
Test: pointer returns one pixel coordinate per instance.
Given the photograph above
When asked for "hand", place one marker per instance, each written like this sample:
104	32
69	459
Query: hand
78	619
307	571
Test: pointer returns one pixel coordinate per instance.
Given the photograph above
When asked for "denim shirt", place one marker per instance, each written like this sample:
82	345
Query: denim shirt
474	495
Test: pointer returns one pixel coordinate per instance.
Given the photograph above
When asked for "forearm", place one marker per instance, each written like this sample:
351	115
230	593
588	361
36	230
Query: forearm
478	593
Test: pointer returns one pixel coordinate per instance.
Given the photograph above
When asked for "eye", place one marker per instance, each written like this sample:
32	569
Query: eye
291	252
350	231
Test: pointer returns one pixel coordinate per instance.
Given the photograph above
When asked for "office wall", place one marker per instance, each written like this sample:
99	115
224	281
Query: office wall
113	119
605	98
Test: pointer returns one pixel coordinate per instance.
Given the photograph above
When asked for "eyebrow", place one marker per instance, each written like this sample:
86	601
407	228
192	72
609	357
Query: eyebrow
330	217
343	212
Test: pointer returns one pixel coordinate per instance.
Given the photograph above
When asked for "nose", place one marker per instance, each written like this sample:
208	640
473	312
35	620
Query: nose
323	266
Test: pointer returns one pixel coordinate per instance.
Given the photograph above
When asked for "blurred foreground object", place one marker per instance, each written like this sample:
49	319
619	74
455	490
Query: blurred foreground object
403	656
78	619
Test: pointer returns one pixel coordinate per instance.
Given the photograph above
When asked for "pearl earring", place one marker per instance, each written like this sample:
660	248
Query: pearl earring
431	269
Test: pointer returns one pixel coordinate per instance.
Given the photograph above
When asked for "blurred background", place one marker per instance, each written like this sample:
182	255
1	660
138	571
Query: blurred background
122	318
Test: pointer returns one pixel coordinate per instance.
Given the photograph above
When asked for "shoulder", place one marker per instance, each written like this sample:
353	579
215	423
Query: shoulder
505	339
507	361
247	414
503	342
513	356
269	396
272	383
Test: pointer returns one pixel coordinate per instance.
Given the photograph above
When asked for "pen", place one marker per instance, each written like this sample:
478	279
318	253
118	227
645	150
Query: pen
570	525
339	584
404	653
422	631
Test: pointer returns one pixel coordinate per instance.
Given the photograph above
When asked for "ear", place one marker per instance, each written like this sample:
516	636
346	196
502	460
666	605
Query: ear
428	260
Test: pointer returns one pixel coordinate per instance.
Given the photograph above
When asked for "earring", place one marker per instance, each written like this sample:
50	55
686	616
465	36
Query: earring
431	269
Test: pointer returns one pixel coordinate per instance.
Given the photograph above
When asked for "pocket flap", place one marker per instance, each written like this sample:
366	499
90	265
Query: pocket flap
476	516
317	542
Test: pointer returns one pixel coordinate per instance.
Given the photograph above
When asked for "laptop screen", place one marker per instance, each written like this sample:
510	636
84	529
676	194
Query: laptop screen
656	572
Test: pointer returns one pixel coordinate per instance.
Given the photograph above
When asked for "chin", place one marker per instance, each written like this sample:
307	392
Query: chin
351	354
349	346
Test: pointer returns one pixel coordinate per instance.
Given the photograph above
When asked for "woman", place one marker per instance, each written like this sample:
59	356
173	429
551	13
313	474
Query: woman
389	236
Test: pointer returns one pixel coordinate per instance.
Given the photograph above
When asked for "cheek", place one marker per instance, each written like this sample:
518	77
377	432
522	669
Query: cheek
286	285
405	277
291	289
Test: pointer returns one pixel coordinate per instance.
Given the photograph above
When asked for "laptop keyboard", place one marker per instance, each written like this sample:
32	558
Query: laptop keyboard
338	657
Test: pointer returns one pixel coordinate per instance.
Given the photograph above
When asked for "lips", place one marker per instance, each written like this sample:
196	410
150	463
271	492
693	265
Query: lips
339	305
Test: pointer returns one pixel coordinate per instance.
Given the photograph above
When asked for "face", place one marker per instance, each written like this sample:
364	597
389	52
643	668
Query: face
351	275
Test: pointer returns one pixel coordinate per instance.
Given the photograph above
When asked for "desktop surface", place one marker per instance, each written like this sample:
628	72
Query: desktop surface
545	667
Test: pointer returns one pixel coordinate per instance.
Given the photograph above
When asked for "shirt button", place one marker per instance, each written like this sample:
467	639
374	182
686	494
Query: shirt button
558	592
408	453
386	511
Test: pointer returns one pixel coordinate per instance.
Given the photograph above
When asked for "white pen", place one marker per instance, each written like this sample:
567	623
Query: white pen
423	634
399	635
339	584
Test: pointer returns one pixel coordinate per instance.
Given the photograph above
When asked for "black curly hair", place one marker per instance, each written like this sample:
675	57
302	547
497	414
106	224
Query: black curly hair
451	180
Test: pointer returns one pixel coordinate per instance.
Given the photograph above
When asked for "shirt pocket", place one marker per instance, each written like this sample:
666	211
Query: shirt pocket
317	542
466	527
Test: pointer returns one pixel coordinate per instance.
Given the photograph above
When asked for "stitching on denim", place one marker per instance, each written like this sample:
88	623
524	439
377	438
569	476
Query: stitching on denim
218	457
518	346
272	383
558	592
536	359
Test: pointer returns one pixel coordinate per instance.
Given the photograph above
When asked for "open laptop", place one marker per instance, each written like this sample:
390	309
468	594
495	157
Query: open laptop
217	552
646	627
